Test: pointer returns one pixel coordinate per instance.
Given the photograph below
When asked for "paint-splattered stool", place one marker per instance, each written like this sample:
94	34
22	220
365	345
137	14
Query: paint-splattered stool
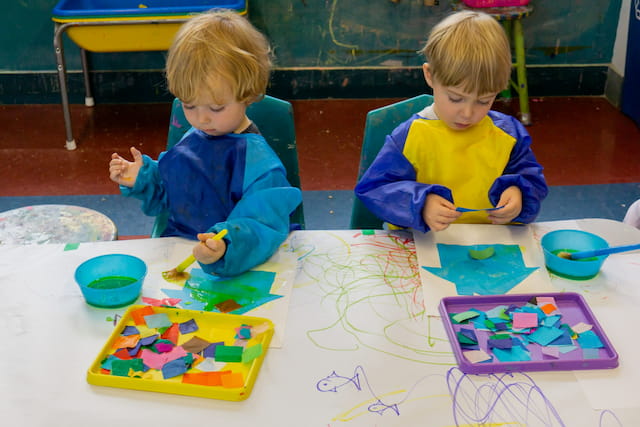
55	224
511	19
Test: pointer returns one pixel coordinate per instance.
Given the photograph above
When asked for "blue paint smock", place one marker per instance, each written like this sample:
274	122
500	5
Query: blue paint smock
208	183
470	168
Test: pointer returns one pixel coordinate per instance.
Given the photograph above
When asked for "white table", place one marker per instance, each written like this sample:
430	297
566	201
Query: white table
355	316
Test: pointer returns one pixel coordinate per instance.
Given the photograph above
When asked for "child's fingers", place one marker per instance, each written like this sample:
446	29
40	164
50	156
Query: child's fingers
137	155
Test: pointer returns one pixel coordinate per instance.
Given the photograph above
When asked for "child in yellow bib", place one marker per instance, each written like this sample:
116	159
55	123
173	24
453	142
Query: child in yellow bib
458	152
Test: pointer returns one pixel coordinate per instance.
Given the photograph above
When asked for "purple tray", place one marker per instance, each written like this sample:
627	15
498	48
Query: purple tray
573	308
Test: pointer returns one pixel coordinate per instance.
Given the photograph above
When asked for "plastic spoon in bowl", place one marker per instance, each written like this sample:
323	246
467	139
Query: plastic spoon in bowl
179	274
598	252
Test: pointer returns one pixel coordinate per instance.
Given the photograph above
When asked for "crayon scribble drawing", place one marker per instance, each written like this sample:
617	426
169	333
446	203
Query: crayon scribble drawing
371	292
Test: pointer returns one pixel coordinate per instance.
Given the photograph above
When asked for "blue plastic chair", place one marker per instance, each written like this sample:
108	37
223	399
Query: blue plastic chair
274	118
380	123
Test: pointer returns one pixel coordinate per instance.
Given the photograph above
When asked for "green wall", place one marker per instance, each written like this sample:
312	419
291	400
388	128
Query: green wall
320	44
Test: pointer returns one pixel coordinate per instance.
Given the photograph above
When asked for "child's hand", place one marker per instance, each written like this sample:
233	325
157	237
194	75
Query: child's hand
209	250
124	172
438	212
511	199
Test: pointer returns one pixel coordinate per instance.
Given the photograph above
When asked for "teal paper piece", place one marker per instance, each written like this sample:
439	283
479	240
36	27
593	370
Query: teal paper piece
203	291
158	320
515	354
589	339
492	276
590	353
544	335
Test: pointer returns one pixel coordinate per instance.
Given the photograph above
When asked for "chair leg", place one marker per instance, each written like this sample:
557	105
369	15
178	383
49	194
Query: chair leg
521	72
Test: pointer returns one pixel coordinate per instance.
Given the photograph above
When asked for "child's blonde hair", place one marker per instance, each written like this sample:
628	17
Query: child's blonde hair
470	50
216	48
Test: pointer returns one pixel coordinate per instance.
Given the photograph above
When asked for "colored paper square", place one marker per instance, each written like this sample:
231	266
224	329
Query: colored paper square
172	333
589	339
228	353
232	380
544	335
158	320
128	341
228	306
210	351
174	368
130	330
195	345
139	314
523	320
188	327
252	352
462	317
477	356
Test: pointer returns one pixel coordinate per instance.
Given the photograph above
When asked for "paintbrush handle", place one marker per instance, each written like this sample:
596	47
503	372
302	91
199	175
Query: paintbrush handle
191	259
604	251
185	264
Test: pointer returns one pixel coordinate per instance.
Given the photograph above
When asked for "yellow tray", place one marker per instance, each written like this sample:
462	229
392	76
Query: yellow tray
212	327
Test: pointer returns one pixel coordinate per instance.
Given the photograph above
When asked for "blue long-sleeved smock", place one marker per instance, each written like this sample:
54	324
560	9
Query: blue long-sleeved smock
209	183
469	168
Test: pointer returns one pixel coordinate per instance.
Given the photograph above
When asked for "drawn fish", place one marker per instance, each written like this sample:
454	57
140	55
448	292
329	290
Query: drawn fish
334	381
380	408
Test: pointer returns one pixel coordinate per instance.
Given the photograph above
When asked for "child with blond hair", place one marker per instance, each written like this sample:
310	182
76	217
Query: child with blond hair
222	174
457	152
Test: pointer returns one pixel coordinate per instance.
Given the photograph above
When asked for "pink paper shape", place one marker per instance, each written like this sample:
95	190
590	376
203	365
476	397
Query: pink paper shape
525	320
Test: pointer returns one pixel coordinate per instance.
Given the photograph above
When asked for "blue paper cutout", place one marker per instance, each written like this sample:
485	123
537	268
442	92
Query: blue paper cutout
203	291
589	339
188	327
496	275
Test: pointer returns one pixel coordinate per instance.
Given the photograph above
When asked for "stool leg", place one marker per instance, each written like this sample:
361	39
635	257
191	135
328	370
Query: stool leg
62	78
88	98
521	70
506	92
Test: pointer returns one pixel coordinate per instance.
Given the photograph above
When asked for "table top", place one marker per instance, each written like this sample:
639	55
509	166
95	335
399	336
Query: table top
358	347
55	224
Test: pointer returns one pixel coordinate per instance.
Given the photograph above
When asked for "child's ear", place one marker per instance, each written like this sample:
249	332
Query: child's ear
427	74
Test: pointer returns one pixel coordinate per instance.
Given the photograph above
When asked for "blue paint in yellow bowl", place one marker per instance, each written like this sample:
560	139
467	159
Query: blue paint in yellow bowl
570	241
110	281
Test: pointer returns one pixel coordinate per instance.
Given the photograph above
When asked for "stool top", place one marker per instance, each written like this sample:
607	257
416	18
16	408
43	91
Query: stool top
504	13
55	224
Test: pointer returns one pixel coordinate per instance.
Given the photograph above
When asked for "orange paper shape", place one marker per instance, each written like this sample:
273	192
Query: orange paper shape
172	333
138	315
205	378
232	380
129	341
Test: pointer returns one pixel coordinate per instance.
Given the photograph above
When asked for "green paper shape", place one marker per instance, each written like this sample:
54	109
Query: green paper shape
71	246
461	317
251	353
228	353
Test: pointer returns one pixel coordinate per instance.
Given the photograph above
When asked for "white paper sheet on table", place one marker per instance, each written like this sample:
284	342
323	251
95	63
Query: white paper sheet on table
435	288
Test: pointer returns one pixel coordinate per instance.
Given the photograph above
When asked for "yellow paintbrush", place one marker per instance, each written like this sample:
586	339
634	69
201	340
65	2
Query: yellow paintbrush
179	274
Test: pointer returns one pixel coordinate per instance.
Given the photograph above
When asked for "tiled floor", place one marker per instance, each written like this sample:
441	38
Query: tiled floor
585	144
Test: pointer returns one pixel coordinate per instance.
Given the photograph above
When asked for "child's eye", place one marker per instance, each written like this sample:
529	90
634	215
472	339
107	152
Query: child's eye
484	102
216	109
188	106
455	100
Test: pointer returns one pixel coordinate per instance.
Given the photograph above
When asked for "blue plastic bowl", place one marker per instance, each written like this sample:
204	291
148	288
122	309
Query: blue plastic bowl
572	241
110	281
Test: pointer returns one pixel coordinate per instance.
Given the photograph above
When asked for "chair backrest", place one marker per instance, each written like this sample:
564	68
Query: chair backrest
380	123
274	118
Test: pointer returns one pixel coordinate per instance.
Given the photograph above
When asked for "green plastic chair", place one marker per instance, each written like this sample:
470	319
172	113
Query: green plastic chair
274	118
380	123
